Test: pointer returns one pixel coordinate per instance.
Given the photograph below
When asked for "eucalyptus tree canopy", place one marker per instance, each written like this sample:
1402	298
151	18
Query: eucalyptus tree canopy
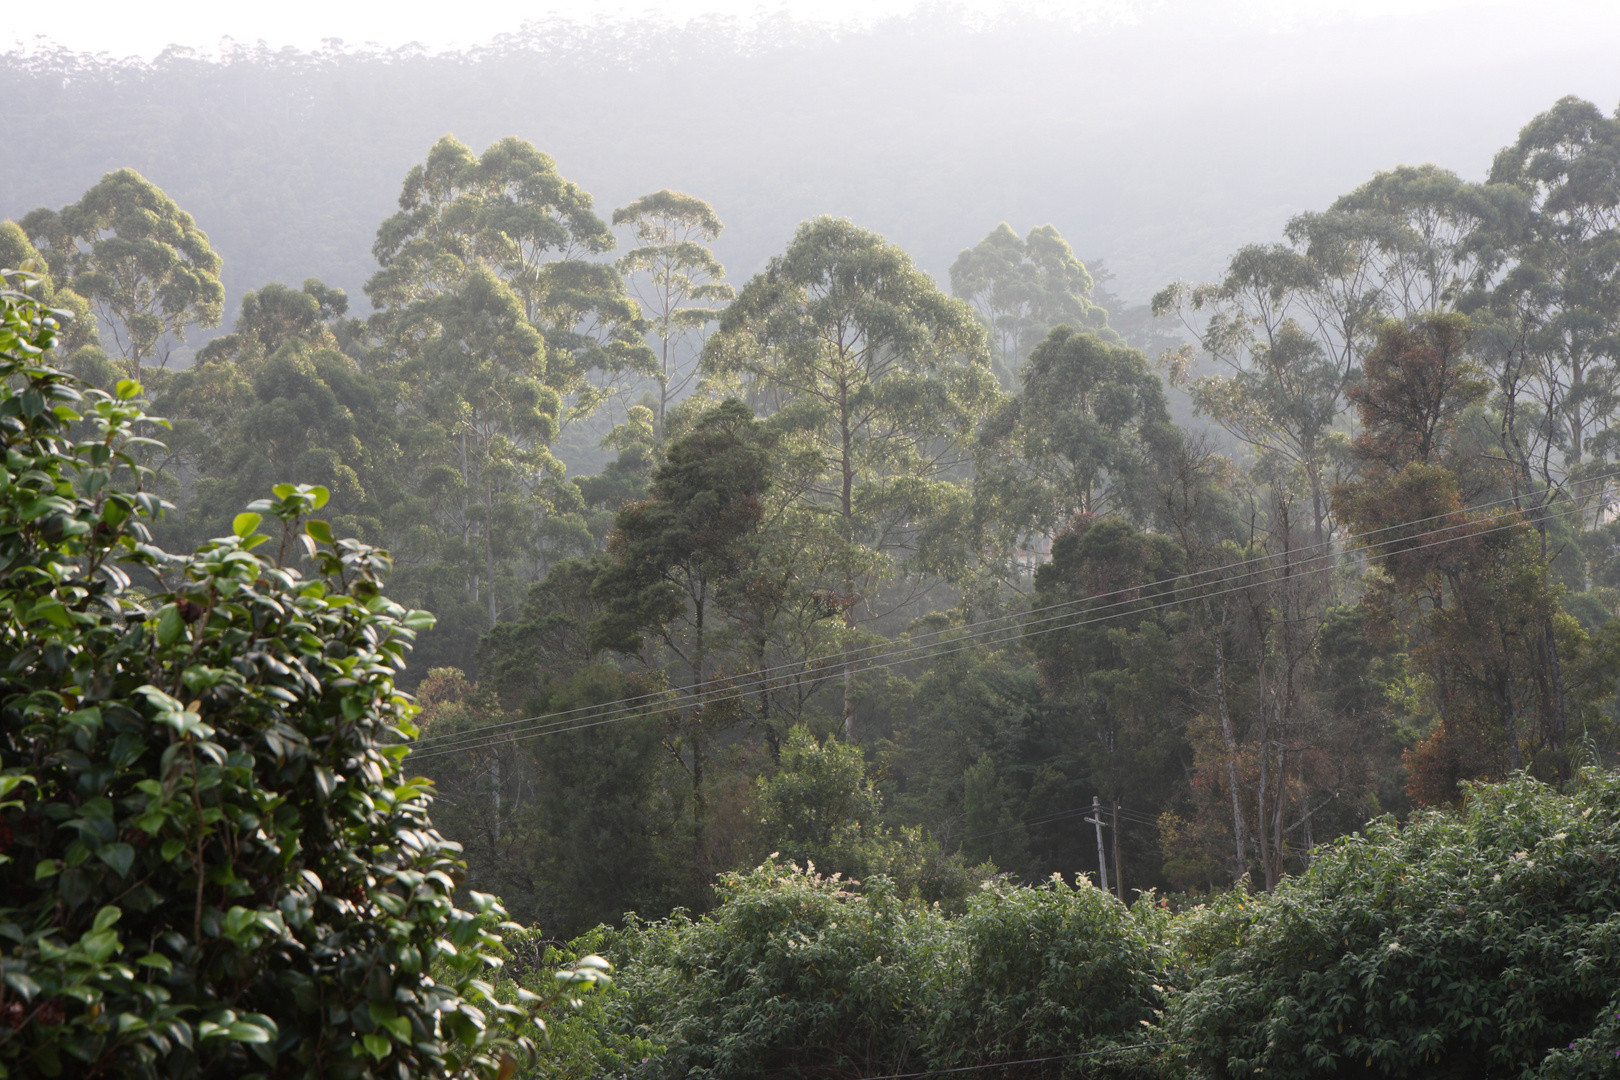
1079	439
483	415
1023	288
1292	323
1415	239
17	253
274	315
1281	388
277	397
498	328
139	259
682	276
1557	304
510	212
869	366
670	559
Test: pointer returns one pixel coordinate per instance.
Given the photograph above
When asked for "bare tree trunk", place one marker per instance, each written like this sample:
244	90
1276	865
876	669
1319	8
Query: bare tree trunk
489	548
1119	877
1279	802
847	507
466	524
1262	786
1559	726
1229	738
495	793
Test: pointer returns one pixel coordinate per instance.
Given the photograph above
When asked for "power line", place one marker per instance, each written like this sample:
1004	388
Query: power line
622	709
1130	817
615	712
759	678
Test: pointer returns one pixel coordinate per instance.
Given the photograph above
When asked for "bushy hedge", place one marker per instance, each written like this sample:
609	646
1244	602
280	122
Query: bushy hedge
792	974
1055	971
796	974
213	864
1484	943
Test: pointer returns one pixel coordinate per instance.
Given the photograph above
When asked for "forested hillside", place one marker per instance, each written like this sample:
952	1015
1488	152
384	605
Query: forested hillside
915	577
922	549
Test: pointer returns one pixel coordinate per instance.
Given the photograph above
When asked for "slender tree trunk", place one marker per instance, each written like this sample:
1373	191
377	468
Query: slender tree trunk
466	524
1261	832
1229	737
1559	726
495	794
1279	803
663	388
489	549
1558	721
1119	877
700	804
847	508
700	812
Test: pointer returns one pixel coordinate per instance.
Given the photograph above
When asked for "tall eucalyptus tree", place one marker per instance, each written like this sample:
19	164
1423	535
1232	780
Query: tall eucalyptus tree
140	260
675	276
1023	288
872	369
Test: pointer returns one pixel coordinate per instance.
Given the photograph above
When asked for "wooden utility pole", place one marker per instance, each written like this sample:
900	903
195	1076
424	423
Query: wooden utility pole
1102	856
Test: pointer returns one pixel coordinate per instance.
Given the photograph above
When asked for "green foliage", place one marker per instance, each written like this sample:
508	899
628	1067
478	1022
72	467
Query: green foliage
796	972
1473	944
509	213
792	973
1459	945
1116	678
1022	289
878	379
820	807
1082	438
139	259
214	864
672	555
1050	971
675	276
580	1041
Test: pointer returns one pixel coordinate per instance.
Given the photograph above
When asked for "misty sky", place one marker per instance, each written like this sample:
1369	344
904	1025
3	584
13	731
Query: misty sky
1158	135
124	29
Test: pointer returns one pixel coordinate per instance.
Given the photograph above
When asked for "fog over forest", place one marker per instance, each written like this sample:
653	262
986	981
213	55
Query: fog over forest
1024	543
1159	146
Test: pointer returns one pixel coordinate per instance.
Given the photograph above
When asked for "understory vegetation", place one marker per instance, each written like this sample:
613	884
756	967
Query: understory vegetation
1475	943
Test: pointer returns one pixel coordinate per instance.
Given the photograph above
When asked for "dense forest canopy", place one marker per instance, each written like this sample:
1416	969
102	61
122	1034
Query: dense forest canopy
958	529
896	586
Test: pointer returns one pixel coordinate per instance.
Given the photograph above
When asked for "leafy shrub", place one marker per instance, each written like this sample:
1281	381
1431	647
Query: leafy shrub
582	1043
797	974
1049	972
213	864
793	973
1461	945
820	808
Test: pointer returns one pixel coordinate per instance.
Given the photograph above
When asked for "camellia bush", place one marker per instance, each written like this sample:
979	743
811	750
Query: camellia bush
1472	944
211	862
